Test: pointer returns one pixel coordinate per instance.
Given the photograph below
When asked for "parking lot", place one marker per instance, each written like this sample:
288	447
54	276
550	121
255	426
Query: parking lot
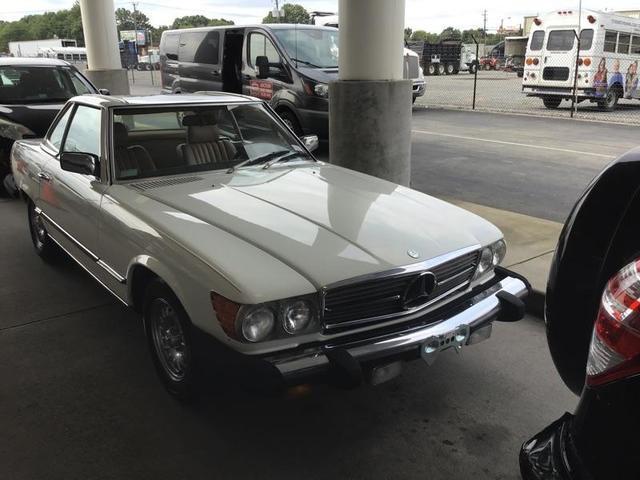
81	399
502	92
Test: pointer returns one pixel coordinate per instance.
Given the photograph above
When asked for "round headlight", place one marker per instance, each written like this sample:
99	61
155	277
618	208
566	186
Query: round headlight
485	263
499	251
258	324
296	317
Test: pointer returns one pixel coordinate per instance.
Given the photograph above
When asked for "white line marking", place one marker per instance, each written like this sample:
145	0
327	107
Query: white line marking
500	142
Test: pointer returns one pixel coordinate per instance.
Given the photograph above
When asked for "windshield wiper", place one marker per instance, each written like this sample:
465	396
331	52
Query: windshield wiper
258	160
304	62
284	158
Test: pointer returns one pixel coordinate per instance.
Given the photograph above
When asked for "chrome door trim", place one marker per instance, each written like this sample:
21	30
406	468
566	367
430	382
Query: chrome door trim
85	250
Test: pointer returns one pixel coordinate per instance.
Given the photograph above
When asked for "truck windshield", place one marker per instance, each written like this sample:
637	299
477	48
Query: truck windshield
561	40
151	142
315	48
39	85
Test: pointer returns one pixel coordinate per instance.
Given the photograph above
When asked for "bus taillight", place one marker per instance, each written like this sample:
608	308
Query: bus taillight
536	61
591	19
587	62
529	61
537	21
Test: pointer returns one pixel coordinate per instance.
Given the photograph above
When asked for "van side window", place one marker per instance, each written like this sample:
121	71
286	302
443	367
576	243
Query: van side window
189	45
170	45
260	45
208	51
536	40
610	40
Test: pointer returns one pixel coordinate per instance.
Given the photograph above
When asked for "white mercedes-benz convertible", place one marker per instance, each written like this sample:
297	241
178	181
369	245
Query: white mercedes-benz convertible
247	255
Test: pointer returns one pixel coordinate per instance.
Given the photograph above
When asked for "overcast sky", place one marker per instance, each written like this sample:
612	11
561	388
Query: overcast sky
421	14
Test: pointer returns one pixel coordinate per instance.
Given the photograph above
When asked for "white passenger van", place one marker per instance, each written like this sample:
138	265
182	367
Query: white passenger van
607	62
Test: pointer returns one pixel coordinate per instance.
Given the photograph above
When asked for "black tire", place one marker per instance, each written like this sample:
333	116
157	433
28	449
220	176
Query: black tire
44	246
473	68
168	330
610	102
431	69
450	69
291	120
552	102
441	69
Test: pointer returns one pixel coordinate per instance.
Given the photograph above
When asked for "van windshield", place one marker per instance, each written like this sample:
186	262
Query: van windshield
312	47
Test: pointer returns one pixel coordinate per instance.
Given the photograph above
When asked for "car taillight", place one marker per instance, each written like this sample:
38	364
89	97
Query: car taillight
615	344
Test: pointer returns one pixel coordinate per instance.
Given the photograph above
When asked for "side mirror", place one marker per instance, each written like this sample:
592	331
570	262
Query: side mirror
104	91
311	142
262	64
84	163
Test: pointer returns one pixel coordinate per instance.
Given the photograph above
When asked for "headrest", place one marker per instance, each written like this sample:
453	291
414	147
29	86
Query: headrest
202	134
120	133
209	117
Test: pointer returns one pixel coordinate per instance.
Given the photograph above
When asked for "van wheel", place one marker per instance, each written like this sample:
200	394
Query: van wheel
450	69
45	247
551	102
290	119
610	102
168	332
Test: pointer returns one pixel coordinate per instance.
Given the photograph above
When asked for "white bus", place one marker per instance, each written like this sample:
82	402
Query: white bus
70	54
607	61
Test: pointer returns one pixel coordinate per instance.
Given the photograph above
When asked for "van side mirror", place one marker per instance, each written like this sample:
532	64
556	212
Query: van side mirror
83	163
311	142
262	64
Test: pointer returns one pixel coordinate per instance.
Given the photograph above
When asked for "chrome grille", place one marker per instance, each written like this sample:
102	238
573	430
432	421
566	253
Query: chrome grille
371	300
411	66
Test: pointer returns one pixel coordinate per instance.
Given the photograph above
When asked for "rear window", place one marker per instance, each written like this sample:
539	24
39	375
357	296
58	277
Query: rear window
561	40
170	45
586	39
536	40
39	85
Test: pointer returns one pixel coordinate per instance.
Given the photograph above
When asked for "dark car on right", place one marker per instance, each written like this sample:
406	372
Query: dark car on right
592	317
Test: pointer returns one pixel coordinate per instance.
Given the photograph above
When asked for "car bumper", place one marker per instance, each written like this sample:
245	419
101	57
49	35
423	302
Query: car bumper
546	455
500	301
419	88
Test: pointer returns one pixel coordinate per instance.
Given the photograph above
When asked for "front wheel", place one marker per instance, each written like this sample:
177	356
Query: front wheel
473	68
45	247
431	69
450	69
168	332
552	102
292	122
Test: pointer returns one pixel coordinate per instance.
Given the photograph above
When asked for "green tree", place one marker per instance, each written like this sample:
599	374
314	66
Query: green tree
407	33
423	36
190	21
129	20
293	13
450	33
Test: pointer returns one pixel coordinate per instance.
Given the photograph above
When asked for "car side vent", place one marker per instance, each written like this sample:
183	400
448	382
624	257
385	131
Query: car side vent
165	182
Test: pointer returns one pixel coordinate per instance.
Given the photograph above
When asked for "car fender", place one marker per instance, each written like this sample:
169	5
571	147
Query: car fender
587	251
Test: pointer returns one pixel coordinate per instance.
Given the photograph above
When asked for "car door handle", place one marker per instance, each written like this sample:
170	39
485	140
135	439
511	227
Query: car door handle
44	176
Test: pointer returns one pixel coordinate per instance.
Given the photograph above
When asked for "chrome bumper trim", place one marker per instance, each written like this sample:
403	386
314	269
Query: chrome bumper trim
484	309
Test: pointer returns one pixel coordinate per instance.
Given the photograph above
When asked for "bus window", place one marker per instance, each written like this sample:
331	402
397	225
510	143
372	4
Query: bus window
83	57
76	56
635	45
624	39
610	40
61	56
67	56
586	39
561	40
536	40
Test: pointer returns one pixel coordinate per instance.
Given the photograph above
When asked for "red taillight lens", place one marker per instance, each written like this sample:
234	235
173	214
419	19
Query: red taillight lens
536	61
587	62
529	61
591	19
615	345
537	21
580	61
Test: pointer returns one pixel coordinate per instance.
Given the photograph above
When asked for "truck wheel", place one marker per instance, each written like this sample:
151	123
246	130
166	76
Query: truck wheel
45	247
441	70
552	102
168	332
431	69
473	68
610	102
450	69
487	66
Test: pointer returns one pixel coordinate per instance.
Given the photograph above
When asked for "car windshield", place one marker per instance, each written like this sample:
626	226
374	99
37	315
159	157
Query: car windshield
312	47
40	84
150	142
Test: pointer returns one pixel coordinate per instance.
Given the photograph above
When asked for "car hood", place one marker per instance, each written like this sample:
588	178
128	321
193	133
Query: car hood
36	118
325	222
322	75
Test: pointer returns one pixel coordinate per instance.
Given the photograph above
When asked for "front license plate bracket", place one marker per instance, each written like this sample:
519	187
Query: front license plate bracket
456	338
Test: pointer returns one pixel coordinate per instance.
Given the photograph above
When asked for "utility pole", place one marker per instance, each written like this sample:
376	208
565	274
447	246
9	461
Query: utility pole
484	33
278	11
135	39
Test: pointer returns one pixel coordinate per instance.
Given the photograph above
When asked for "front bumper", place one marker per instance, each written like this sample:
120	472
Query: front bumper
348	358
419	88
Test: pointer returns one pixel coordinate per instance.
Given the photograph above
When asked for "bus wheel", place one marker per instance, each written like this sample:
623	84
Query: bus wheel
552	102
610	101
450	69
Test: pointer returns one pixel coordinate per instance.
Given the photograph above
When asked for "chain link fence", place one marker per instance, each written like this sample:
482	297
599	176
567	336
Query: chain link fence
591	76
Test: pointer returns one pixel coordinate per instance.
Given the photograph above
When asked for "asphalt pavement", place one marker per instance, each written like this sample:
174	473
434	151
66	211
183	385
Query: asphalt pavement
79	399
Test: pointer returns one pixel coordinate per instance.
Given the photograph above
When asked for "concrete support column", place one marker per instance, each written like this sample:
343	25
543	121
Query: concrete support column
101	39
370	104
